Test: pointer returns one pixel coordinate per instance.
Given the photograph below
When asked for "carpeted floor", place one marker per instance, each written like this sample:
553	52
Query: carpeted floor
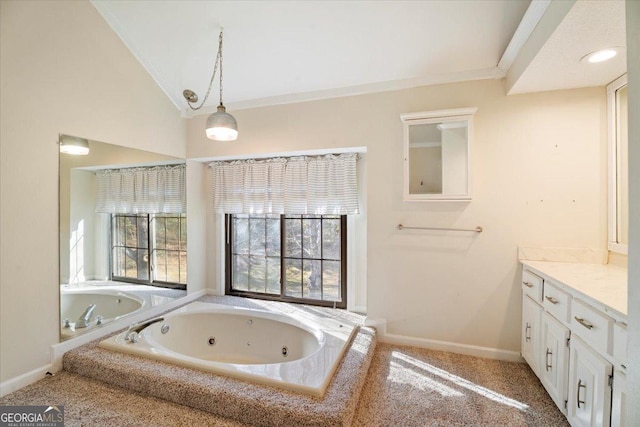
405	386
408	386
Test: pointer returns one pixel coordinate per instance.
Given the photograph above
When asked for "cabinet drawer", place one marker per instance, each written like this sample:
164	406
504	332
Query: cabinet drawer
556	302
620	342
593	326
532	285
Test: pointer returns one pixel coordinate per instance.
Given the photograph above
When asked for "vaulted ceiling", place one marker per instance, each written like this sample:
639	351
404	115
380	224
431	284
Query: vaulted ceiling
290	51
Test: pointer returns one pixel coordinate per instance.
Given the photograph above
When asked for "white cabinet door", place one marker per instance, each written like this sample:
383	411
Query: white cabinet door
554	359
589	389
531	312
619	399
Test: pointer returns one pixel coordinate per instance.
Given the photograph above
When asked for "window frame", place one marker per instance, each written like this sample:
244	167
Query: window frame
150	249
228	263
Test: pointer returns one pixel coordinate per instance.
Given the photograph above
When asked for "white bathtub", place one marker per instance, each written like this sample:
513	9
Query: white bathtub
296	351
110	305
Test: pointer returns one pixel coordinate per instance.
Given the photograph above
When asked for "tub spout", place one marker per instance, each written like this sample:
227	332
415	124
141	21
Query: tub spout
85	318
136	328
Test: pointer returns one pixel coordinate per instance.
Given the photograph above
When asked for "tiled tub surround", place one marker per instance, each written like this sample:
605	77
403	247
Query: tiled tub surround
574	337
232	398
297	351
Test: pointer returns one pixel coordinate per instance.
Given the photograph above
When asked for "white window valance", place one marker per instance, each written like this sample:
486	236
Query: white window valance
323	185
142	190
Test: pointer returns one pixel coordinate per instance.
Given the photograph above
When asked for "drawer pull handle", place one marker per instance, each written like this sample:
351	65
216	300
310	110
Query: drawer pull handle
527	284
552	300
583	322
546	361
580	385
527	336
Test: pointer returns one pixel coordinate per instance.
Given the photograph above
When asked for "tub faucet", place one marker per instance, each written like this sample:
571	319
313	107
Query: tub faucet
135	329
85	318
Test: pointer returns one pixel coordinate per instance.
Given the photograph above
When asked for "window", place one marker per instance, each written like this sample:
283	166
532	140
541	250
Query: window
307	251
149	249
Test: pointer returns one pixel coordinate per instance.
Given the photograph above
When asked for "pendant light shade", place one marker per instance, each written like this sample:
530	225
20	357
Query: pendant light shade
74	145
222	126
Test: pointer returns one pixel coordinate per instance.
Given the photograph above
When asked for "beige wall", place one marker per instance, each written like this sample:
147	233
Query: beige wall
62	69
539	179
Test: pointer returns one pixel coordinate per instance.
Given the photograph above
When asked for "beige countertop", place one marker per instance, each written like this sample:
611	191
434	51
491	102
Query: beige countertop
604	286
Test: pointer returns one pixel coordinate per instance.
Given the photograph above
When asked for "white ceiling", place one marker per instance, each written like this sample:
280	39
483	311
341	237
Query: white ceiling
283	51
588	26
291	51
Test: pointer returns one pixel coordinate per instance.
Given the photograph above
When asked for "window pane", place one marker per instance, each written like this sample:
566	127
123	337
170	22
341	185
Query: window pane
160	265
311	255
131	231
160	235
119	233
118	261
331	239
143	234
293	239
183	267
293	283
331	289
240	236
131	266
173	266
257	236
273	275
273	237
183	235
257	274
312	284
240	272
173	233
311	238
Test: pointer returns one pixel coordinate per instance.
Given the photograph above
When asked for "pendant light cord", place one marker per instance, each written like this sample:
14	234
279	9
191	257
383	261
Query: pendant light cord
213	76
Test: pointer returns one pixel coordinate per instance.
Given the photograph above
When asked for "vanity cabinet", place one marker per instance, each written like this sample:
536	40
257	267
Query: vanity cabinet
590	379
619	399
531	312
577	348
553	369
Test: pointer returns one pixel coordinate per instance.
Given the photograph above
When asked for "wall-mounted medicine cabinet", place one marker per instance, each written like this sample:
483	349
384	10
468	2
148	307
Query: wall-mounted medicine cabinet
437	155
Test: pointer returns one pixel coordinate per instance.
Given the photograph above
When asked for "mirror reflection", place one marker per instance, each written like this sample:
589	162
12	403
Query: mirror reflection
437	155
438	158
122	233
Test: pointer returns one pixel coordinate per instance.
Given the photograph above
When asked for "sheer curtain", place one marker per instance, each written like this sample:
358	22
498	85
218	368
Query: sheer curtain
144	190
322	185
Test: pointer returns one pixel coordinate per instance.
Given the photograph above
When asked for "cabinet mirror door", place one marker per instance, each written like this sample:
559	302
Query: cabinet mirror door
437	155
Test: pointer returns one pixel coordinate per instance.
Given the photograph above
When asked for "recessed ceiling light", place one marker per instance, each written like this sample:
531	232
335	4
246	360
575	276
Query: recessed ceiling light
600	55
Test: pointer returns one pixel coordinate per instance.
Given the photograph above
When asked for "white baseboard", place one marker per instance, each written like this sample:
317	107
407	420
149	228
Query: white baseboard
380	325
471	350
15	383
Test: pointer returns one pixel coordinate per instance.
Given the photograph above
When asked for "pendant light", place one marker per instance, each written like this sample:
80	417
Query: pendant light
73	145
221	126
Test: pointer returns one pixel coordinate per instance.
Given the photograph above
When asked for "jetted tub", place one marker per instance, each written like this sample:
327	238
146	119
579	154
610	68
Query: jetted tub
110	305
298	351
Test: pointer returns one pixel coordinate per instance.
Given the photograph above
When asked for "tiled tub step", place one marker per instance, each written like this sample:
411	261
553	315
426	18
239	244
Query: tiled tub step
239	400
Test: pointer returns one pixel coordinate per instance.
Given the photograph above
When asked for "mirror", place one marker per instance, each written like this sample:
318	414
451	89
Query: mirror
113	265
618	165
437	155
